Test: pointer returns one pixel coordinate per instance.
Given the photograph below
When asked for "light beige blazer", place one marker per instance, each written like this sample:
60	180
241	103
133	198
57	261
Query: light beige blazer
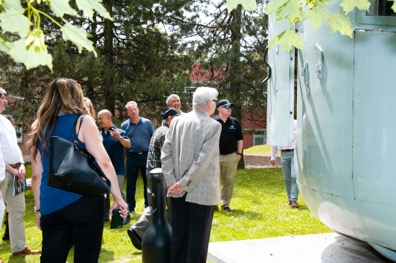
190	156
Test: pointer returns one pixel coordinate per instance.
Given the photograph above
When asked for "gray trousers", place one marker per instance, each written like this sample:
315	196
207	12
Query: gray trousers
16	212
146	218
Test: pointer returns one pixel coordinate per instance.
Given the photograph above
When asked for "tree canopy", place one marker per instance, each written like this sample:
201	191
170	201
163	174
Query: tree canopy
146	52
314	11
22	35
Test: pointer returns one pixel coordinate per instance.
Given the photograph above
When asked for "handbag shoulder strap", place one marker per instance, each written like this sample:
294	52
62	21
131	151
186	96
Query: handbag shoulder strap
74	127
81	121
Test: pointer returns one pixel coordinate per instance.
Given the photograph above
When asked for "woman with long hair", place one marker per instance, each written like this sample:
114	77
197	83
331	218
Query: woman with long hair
68	219
89	107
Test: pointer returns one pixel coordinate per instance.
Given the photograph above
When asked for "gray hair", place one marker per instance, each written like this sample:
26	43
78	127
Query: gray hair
204	94
170	97
131	103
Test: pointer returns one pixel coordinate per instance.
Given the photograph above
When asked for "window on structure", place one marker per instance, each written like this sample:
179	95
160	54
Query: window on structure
259	137
381	8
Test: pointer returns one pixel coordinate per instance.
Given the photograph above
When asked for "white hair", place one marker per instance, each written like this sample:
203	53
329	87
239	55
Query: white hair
170	97
204	94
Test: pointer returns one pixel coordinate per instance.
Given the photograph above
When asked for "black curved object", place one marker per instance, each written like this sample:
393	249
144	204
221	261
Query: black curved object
269	70
157	241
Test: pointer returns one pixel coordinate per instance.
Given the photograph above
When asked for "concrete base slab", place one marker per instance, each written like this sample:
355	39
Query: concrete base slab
323	248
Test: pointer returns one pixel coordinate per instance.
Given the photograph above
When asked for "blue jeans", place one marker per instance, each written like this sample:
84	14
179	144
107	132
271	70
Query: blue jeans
79	224
135	162
289	175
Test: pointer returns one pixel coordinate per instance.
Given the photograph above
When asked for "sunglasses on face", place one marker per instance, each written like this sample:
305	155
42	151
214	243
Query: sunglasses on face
227	107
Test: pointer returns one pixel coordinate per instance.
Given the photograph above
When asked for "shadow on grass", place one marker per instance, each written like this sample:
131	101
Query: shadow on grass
240	213
258	211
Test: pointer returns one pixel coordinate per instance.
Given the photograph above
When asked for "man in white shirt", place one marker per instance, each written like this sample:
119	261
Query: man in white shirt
289	174
14	165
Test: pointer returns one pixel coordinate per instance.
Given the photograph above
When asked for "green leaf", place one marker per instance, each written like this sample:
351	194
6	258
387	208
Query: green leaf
393	6
89	6
61	7
341	23
291	11
78	36
349	5
12	19
13	5
249	5
274	6
5	45
31	57
317	14
287	39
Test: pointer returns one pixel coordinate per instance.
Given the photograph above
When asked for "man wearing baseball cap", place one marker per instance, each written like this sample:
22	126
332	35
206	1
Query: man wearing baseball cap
231	145
137	231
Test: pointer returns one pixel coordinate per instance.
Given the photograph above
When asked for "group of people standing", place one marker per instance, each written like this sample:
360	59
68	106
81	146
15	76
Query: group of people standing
190	147
198	154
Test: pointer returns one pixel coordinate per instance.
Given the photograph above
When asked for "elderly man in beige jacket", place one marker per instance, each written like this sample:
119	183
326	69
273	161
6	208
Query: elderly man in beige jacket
190	163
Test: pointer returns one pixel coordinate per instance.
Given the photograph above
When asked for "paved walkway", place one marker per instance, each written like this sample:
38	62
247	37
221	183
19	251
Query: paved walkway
323	248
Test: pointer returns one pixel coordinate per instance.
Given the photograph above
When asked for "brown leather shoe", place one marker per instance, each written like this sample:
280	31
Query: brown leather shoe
293	204
27	251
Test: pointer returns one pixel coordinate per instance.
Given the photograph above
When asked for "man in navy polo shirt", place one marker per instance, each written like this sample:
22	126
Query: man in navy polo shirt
231	145
114	141
139	130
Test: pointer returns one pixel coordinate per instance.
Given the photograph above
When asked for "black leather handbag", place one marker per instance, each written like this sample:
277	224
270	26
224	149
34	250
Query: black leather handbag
75	170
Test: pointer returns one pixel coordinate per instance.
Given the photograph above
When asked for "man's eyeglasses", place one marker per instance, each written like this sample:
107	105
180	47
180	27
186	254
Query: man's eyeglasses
215	101
227	107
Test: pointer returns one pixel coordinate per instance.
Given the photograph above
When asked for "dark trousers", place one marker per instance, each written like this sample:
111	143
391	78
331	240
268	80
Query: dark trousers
79	224
191	224
135	162
106	211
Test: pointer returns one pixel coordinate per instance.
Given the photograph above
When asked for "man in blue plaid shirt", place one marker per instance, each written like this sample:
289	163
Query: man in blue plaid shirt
136	232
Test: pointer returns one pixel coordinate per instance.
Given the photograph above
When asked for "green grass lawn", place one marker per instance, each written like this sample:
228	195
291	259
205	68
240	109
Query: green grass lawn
258	212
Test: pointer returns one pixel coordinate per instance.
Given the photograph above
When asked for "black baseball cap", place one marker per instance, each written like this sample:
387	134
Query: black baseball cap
224	103
169	112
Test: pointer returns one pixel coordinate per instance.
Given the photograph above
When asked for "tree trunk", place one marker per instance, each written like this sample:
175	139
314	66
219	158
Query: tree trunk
109	65
236	70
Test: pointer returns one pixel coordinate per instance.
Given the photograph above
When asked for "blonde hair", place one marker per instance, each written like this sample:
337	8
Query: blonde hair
63	95
89	107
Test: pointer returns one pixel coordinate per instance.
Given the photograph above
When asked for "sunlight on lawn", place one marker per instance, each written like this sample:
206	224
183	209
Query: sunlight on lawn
258	150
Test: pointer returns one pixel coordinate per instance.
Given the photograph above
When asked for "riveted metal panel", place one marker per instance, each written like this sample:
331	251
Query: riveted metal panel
280	102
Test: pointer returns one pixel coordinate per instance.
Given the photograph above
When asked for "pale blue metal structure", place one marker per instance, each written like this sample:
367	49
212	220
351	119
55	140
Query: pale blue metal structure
345	157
